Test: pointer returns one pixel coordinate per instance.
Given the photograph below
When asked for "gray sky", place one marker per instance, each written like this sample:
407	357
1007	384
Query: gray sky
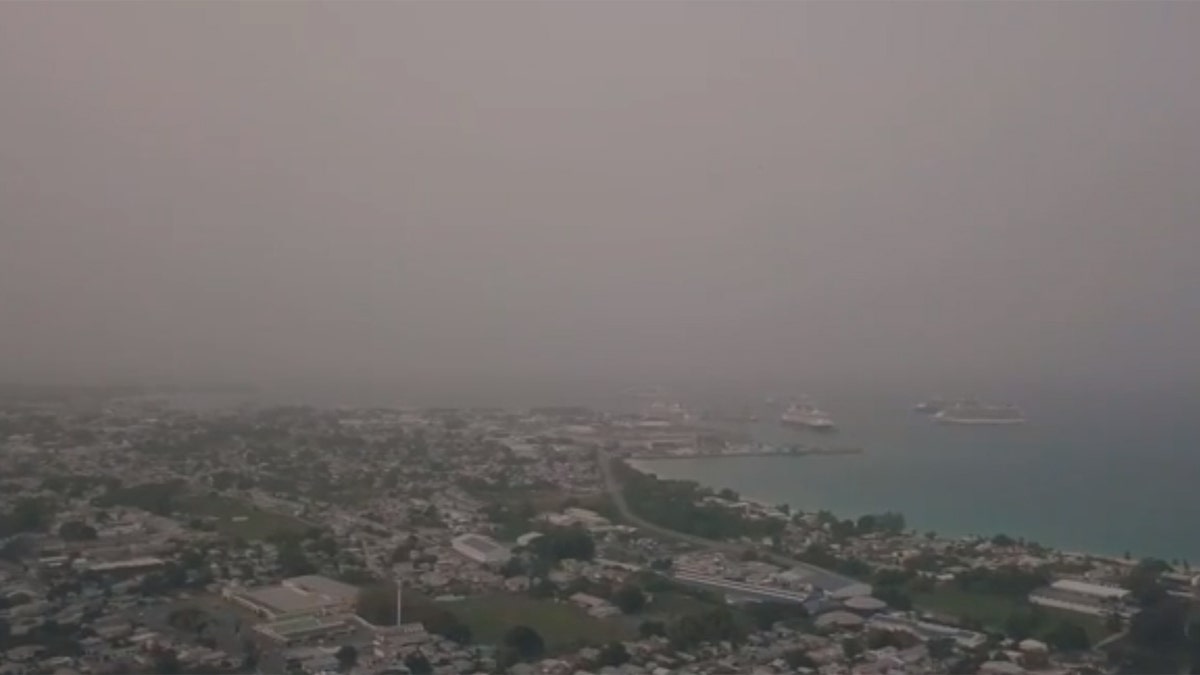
634	190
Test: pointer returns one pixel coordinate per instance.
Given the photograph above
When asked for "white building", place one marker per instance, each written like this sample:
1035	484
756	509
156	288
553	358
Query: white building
1082	596
481	549
576	516
309	595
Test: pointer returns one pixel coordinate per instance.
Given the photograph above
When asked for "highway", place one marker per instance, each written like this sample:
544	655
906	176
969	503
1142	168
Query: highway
822	578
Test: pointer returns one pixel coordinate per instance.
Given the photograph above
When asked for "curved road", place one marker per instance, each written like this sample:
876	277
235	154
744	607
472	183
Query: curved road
825	579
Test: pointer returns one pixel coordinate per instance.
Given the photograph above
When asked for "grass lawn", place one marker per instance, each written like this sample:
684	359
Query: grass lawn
670	604
561	625
239	519
993	610
1094	625
990	610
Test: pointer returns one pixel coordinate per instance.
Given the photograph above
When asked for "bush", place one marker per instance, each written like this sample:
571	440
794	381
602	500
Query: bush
527	642
74	530
629	599
418	664
565	543
613	654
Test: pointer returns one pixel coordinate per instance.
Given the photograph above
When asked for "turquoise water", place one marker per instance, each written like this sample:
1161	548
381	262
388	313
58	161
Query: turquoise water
1104	474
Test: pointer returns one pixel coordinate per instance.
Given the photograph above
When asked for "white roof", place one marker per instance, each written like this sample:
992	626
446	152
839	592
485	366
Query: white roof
479	543
1086	588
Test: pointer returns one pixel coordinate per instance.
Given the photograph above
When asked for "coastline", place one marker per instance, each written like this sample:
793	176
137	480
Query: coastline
1114	553
808	452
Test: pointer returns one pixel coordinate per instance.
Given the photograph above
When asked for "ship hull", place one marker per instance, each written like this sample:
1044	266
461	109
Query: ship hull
977	422
809	426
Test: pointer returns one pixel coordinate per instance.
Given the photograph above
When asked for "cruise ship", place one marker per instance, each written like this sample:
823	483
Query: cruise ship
807	416
974	412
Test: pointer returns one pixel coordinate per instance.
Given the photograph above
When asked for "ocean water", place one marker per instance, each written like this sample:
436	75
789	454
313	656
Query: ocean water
1097	472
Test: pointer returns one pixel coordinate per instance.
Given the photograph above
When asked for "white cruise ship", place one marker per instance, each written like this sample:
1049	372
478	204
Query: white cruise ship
974	412
807	416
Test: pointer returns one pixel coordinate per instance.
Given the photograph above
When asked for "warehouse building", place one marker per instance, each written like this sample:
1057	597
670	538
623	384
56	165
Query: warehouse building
309	595
481	549
1082	597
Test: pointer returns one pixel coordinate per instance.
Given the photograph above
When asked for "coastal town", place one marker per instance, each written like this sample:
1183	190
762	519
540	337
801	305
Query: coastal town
141	536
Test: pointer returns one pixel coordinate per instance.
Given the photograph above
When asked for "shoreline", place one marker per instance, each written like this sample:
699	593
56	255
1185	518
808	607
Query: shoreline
1111	556
815	452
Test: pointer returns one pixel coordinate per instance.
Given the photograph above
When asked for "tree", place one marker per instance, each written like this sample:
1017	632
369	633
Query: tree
418	664
565	543
292	559
865	524
879	639
29	515
526	641
1159	627
612	654
715	625
1068	636
661	564
1003	540
1144	582
75	530
514	567
347	656
1113	622
437	620
629	599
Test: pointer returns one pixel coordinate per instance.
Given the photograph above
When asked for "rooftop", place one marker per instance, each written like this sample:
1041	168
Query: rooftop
325	586
1085	588
302	594
479	543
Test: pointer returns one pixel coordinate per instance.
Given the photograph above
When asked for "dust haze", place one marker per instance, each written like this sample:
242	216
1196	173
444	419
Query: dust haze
599	191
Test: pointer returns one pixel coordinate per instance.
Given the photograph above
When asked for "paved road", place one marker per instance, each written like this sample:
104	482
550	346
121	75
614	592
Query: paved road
823	578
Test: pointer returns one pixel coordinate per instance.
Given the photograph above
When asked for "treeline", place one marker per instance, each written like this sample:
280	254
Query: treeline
27	515
1165	635
888	522
820	556
1010	580
678	505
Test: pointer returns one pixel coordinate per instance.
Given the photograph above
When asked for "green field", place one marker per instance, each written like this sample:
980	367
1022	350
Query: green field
990	610
239	519
993	610
670	604
1094	625
562	625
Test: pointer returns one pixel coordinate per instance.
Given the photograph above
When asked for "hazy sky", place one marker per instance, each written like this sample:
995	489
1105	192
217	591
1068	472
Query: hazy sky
635	190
